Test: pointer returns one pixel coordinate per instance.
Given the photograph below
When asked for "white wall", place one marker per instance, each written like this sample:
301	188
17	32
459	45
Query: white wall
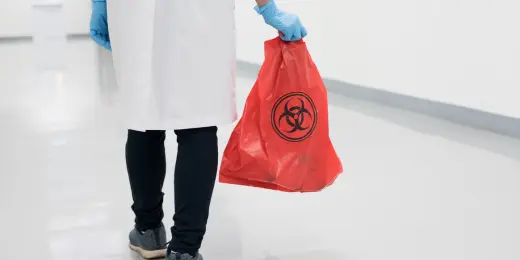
16	16
464	52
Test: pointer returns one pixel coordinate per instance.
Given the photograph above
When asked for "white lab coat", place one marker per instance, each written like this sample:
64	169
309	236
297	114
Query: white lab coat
174	62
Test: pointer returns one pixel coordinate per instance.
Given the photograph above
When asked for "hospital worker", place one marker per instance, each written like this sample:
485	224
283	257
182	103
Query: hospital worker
175	67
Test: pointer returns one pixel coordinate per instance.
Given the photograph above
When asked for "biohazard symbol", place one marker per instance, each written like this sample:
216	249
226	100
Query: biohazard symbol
294	117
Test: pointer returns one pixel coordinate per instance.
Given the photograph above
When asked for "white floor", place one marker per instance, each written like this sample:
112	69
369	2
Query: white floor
414	188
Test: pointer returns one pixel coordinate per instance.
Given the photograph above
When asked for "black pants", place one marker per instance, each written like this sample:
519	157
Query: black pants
195	174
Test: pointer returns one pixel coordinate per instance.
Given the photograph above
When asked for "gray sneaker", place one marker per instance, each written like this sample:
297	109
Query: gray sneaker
176	256
150	244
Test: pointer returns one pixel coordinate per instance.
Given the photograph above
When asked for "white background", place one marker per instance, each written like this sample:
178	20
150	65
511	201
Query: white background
464	52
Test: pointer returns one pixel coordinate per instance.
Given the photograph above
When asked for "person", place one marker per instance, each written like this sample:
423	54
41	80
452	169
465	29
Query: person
175	66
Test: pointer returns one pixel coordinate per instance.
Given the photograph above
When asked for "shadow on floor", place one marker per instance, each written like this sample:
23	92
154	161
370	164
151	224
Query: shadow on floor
495	143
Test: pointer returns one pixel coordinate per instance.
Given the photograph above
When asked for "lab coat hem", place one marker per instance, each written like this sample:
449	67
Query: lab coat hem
180	124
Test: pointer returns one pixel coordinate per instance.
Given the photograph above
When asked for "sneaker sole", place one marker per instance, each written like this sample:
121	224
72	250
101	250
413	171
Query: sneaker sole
146	254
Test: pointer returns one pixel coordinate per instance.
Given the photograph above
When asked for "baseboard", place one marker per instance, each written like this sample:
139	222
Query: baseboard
15	39
29	38
478	119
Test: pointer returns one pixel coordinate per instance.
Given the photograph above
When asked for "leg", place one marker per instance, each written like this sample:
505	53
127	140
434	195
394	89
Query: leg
146	163
195	174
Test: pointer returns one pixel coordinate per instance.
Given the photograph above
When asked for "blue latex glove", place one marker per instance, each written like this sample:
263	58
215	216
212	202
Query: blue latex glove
99	24
288	24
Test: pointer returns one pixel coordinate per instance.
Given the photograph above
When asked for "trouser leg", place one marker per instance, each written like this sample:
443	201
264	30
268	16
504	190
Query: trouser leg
195	175
146	165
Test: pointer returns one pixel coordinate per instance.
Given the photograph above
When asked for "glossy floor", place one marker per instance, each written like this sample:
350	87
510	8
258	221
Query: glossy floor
414	188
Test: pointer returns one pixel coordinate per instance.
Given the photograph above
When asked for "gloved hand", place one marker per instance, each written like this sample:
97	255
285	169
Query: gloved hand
288	24
99	24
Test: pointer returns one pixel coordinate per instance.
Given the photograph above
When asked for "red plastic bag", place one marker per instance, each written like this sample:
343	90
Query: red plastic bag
282	140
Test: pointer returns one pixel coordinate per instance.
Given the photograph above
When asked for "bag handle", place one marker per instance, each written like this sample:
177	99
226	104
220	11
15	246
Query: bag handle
285	44
280	35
